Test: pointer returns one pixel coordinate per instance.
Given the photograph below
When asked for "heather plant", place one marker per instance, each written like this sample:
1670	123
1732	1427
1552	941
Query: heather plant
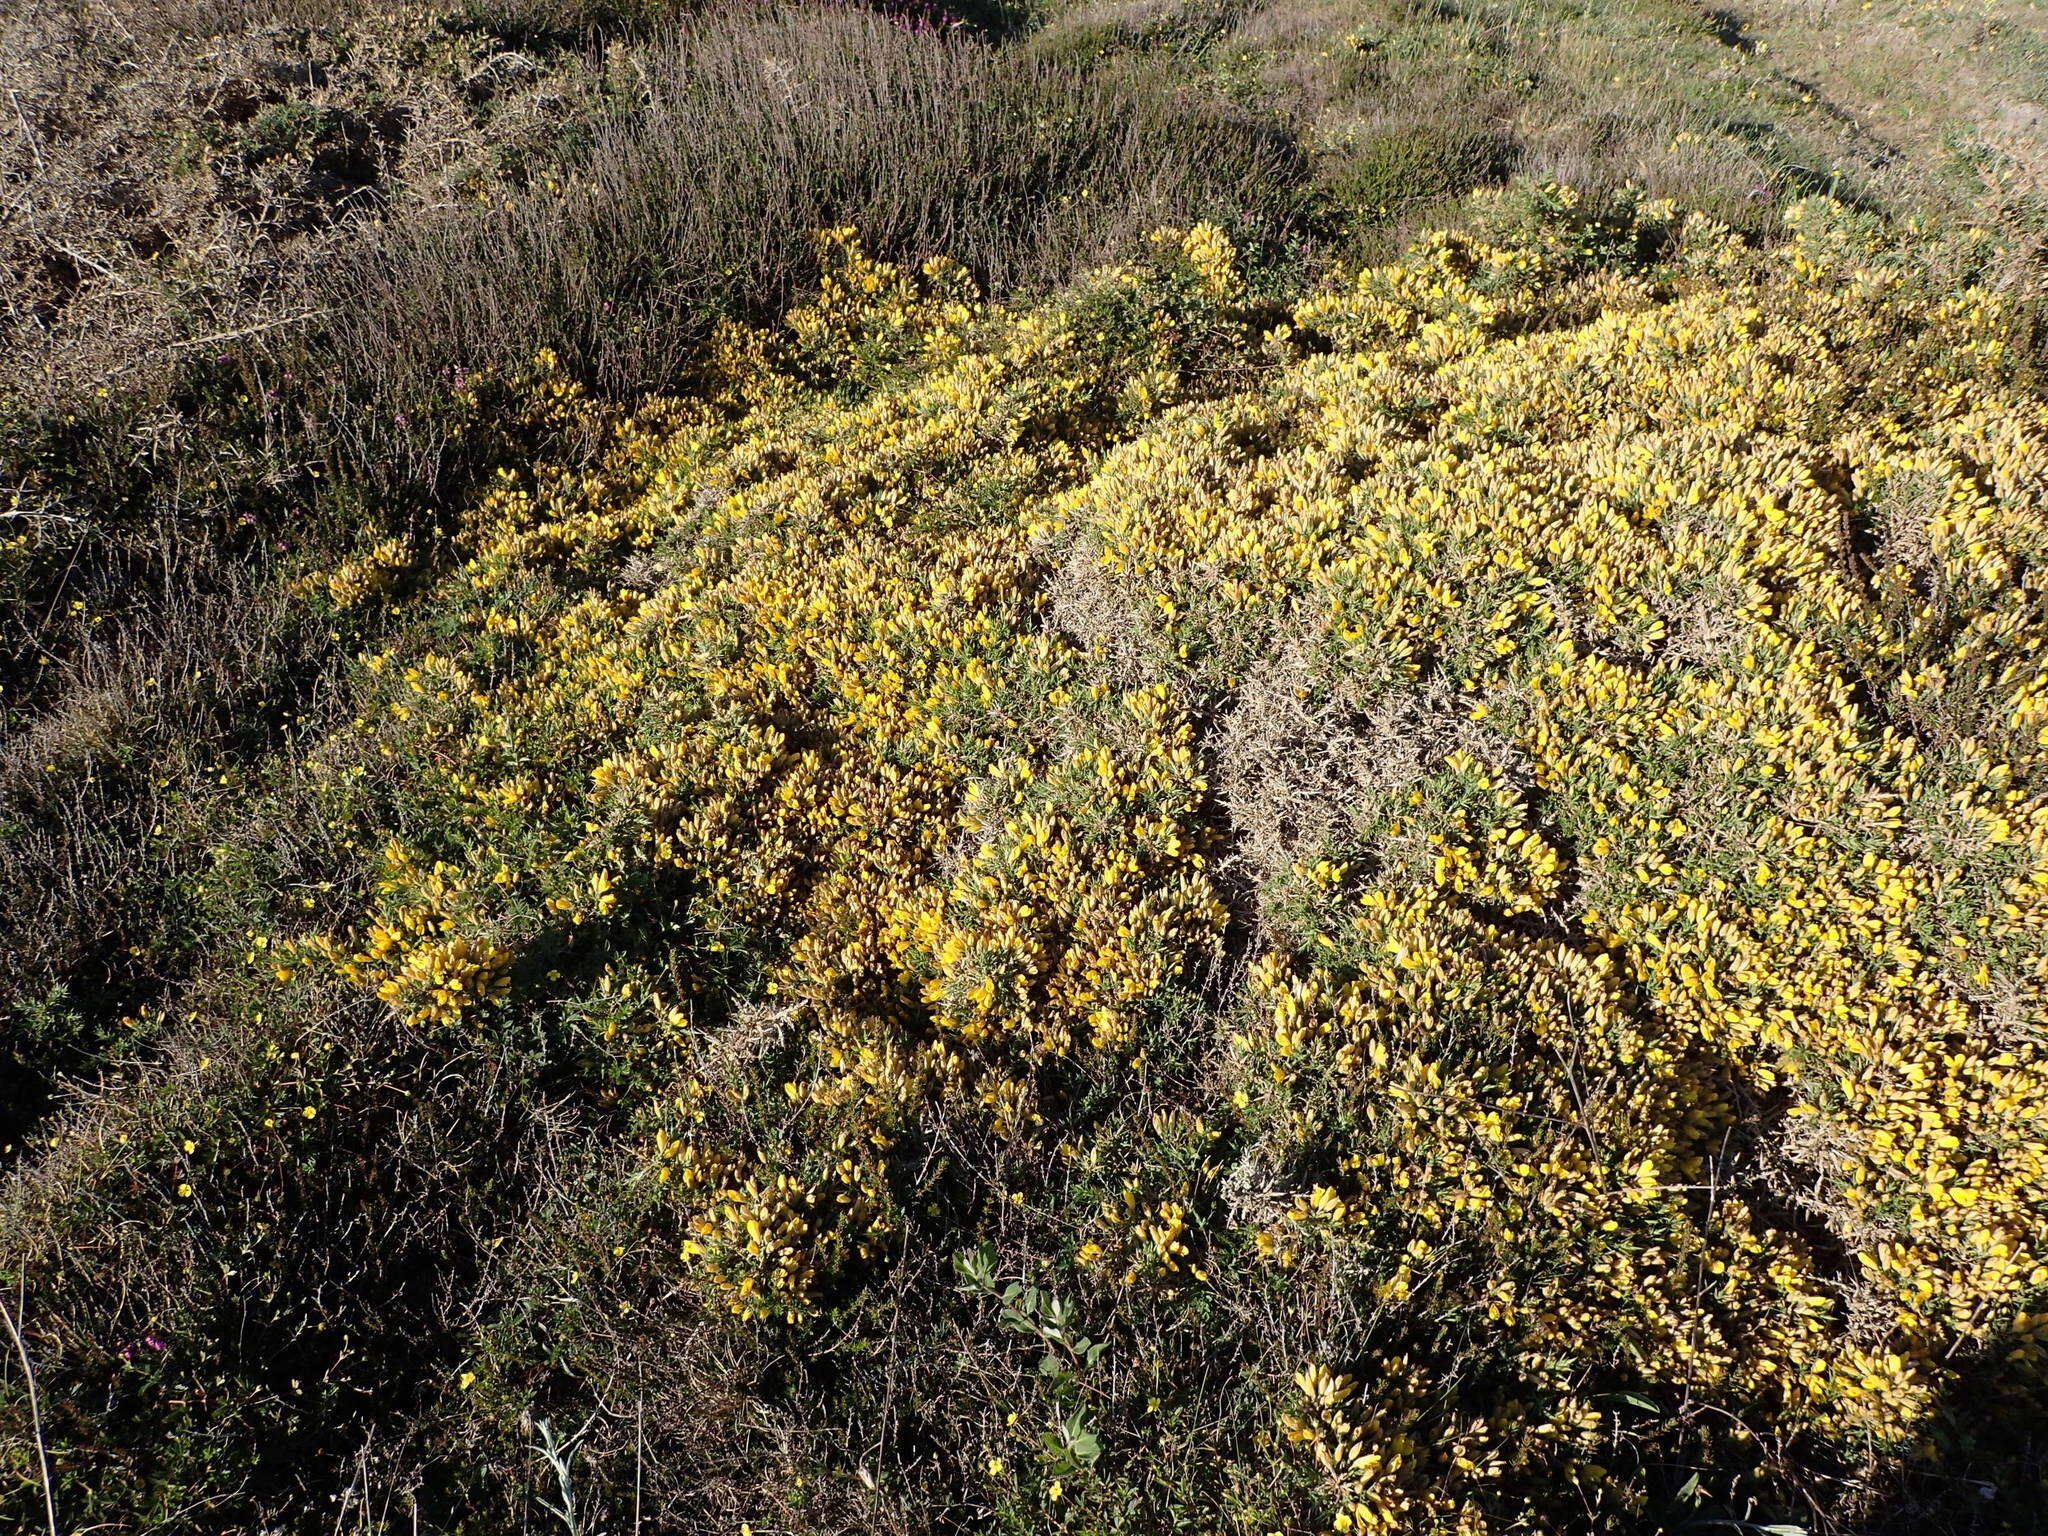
750	131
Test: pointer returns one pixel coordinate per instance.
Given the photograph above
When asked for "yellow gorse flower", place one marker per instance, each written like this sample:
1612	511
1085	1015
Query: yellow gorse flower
1615	699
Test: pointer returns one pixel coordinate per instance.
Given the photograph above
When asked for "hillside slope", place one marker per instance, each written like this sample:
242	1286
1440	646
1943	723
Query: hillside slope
1405	908
1295	885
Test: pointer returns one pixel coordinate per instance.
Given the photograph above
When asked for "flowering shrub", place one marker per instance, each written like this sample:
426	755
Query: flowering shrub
1615	1089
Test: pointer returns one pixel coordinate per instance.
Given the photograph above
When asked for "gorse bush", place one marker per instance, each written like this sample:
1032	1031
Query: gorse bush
251	286
1432	933
253	251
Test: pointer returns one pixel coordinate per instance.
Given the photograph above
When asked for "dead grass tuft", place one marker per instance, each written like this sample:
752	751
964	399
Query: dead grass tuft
1302	763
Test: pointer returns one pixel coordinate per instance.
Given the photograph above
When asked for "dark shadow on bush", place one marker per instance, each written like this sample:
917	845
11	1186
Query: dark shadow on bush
298	1230
1985	1460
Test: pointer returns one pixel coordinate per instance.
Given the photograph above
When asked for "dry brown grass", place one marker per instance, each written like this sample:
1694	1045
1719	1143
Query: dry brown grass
754	130
173	172
1304	765
1954	94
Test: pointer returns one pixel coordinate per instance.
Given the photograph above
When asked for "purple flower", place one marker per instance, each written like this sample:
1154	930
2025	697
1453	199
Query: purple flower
154	1342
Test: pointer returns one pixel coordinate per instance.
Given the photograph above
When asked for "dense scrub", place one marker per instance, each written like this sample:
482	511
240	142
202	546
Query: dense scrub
1407	909
1212	898
258	274
751	132
252	253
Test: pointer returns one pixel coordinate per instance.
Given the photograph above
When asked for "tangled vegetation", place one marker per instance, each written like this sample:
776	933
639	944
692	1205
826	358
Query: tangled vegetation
1410	909
251	263
1270	828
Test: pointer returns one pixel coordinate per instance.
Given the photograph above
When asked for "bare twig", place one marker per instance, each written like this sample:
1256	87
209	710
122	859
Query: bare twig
26	132
35	1406
220	336
36	514
639	1455
251	330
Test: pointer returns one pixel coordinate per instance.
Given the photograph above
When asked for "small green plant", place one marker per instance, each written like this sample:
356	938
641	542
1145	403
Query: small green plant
1073	1443
558	1453
283	129
1417	162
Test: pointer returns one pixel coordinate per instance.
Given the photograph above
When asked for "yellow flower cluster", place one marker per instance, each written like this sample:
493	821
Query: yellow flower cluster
372	575
1646	1016
1386	1479
434	983
416	957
